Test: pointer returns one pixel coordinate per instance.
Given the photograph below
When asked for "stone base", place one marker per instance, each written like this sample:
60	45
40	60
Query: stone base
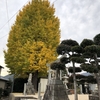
30	89
93	97
19	96
56	90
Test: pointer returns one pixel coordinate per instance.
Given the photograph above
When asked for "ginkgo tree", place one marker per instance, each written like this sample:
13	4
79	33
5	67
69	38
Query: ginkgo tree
33	39
38	57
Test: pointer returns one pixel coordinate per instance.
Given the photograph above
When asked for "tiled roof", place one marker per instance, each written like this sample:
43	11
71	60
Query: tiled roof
9	77
4	79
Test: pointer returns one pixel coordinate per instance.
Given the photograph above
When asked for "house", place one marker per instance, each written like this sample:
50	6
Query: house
6	81
3	82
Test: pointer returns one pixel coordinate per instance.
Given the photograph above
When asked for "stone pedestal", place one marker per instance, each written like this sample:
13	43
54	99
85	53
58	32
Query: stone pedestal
93	97
56	90
30	89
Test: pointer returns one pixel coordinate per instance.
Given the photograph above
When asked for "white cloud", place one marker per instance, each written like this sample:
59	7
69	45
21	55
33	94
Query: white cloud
79	18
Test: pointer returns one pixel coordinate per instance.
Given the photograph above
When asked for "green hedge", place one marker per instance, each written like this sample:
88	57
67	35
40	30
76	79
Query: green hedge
19	84
4	93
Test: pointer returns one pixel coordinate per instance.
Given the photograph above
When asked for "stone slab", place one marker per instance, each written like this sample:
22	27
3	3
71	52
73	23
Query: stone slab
93	97
80	97
19	96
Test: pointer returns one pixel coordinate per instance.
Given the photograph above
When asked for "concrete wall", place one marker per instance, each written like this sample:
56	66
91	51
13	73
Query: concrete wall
93	87
43	84
2	84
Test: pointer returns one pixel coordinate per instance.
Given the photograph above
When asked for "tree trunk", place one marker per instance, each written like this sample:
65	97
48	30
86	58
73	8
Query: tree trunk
97	75
35	80
74	79
98	84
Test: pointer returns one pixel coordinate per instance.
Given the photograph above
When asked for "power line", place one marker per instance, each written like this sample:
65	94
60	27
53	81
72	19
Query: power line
7	14
7	18
54	1
10	18
3	36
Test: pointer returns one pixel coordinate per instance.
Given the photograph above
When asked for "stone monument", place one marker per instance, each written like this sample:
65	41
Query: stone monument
55	89
94	95
28	87
65	81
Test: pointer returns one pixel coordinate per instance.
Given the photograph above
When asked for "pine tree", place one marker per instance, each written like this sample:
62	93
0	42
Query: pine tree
92	55
71	53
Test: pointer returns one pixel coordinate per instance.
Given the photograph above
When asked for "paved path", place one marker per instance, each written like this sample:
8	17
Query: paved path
71	97
80	96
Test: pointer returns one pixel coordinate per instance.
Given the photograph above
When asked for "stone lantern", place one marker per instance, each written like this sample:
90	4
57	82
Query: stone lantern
86	87
65	78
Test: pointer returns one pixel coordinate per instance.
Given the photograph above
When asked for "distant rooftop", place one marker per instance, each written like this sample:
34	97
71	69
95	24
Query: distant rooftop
9	77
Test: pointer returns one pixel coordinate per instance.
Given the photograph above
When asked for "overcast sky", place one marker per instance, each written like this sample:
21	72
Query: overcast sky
79	19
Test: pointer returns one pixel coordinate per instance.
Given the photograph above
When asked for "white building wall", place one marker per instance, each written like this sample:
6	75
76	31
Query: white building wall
2	84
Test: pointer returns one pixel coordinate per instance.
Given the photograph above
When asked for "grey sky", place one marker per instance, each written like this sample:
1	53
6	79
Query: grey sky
79	19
